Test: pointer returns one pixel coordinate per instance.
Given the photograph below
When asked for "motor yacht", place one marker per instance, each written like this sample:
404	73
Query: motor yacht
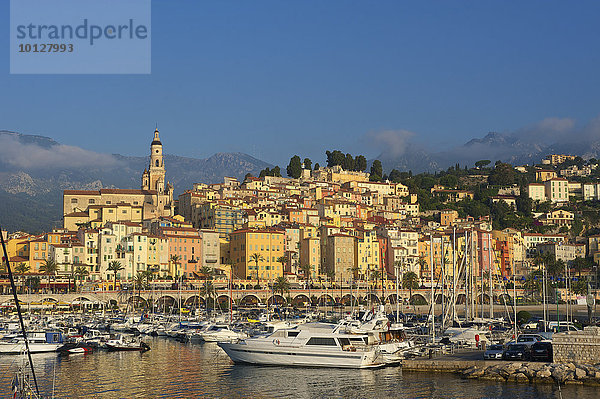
39	342
308	345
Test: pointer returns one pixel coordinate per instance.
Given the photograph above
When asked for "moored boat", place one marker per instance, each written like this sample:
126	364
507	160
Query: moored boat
122	343
308	345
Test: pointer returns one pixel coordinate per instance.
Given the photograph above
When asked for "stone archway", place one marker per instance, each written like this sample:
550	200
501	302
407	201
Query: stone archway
276	300
391	299
418	299
250	300
166	304
326	300
223	301
301	300
372	298
137	302
349	300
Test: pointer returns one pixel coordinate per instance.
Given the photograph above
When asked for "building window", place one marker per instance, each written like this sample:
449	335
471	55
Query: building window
73	200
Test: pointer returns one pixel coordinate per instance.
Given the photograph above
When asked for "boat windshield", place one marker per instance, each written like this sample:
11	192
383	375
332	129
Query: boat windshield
321	341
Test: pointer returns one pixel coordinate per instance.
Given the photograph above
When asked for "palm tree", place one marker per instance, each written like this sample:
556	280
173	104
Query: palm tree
21	269
375	275
115	267
283	261
306	269
80	272
354	270
141	280
49	268
422	262
175	259
207	272
256	257
207	290
281	285
331	276
578	264
410	280
533	282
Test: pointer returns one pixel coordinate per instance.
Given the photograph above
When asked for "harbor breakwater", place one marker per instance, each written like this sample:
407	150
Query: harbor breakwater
523	372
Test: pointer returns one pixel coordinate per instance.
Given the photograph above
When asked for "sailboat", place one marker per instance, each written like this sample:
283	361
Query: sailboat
24	383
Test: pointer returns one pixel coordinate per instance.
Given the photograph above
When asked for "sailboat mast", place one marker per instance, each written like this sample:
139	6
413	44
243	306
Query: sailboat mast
490	275
453	274
432	292
467	266
18	306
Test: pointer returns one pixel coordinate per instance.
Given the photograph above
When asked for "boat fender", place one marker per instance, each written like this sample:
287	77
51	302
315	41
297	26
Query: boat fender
276	342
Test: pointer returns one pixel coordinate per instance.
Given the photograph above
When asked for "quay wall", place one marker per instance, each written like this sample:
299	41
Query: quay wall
503	371
577	346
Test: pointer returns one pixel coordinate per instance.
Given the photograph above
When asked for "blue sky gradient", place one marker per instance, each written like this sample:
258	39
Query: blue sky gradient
278	78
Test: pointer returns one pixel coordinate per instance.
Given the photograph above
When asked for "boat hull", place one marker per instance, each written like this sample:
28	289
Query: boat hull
300	357
16	349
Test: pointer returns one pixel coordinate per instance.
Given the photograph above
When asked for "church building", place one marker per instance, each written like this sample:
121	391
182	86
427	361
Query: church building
96	207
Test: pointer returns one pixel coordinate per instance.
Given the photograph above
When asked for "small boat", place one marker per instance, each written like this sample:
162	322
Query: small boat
74	347
122	343
220	333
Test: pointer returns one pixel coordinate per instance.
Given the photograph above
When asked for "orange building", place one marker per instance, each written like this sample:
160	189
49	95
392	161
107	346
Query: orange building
186	243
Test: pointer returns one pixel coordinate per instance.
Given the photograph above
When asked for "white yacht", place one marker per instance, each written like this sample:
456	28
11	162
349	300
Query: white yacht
41	342
220	333
309	345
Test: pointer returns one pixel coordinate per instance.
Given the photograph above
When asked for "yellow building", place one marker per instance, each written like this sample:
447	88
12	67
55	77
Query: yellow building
158	255
544	174
442	254
267	245
366	252
310	254
557	159
537	191
448	216
38	253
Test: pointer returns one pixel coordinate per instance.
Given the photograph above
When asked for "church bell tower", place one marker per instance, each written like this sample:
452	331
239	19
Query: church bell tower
154	177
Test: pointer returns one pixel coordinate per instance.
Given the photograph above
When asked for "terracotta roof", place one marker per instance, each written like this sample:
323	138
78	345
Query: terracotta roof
76	214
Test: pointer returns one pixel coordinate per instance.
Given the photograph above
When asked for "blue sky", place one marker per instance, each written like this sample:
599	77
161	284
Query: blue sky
278	78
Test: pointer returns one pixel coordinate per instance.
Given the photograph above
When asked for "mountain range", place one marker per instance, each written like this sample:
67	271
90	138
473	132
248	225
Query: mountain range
528	146
34	170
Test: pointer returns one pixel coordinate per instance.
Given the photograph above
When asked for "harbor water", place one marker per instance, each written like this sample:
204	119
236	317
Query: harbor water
187	370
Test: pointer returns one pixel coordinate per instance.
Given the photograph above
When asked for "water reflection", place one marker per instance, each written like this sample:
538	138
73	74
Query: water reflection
174	370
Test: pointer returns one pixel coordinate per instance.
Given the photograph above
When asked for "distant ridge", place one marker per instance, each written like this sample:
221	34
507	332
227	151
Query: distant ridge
34	170
514	148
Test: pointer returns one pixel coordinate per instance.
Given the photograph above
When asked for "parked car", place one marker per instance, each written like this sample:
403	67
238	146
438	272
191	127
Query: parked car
517	352
531	325
529	339
493	352
542	351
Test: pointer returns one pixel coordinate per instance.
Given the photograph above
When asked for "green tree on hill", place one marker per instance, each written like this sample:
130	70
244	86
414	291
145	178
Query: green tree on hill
483	163
361	163
307	163
294	168
376	171
502	175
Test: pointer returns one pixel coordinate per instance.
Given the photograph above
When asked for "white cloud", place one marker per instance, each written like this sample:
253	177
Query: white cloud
392	143
33	156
